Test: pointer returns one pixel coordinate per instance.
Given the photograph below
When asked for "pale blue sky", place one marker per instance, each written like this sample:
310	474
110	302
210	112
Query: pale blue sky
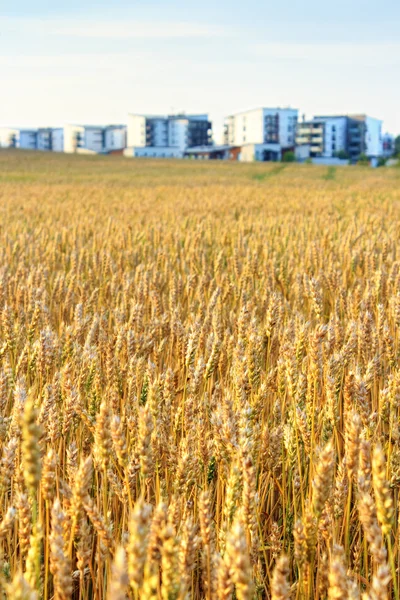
95	61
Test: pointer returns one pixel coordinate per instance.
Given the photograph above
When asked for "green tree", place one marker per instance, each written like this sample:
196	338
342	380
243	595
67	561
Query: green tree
363	160
342	154
289	156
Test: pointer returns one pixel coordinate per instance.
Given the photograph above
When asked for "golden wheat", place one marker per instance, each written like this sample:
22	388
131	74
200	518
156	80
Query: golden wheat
199	380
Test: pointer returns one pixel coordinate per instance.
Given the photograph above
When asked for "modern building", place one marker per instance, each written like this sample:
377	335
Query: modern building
9	137
262	127
334	136
169	136
114	138
28	139
325	136
364	136
94	139
43	138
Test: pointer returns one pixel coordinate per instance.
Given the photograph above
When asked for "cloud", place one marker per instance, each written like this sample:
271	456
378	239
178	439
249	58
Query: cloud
373	54
112	29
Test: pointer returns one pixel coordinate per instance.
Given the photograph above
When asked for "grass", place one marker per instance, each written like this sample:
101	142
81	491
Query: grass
199	382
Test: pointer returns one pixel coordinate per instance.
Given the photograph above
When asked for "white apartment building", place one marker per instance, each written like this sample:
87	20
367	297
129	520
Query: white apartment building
94	139
9	137
325	136
166	136
262	126
44	138
114	138
353	135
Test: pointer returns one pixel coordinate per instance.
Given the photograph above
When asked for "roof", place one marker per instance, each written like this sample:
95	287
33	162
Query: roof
242	112
200	116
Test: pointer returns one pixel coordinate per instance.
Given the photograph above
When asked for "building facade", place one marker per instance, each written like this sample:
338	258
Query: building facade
94	139
114	138
340	136
9	137
28	139
325	136
262	126
364	137
168	136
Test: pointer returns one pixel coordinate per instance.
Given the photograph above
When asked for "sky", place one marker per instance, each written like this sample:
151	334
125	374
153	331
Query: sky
93	61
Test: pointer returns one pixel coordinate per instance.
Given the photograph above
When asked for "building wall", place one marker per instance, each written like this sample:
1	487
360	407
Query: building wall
94	139
158	132
312	135
287	126
153	152
246	128
260	152
44	139
114	138
330	161
9	138
58	139
199	132
325	135
28	139
373	137
252	127
335	136
302	152
178	133
136	132
72	133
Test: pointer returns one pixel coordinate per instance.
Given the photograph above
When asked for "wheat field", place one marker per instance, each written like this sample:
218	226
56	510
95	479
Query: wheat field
199	380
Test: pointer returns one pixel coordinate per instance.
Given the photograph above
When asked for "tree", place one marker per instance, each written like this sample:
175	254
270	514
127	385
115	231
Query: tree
363	160
289	156
342	154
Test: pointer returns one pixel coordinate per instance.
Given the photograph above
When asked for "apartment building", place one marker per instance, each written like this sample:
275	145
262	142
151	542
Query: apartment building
364	136
262	126
325	136
94	139
166	136
261	133
28	139
329	136
115	138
